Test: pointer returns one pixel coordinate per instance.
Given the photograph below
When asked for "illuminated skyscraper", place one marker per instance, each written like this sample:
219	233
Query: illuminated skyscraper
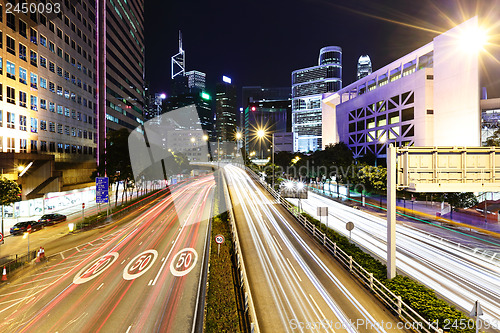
308	86
225	110
196	81
364	66
120	67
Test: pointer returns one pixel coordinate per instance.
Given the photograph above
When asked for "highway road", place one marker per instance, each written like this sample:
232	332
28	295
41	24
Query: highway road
296	286
143	276
460	275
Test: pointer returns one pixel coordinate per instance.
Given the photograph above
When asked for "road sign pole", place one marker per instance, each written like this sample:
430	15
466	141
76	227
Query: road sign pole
218	249
391	212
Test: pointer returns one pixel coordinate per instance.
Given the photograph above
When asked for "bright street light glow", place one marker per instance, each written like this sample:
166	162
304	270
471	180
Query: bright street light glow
289	185
261	133
163	96
193	139
473	39
226	79
238	135
205	137
300	186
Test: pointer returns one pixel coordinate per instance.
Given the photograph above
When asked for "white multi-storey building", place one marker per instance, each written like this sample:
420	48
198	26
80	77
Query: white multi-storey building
429	97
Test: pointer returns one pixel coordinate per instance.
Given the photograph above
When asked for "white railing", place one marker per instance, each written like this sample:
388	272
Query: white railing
391	300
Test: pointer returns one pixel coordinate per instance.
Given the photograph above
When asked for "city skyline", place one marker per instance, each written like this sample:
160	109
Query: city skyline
255	39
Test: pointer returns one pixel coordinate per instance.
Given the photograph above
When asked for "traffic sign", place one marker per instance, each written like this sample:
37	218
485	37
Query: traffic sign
102	190
1	237
349	226
219	239
83	205
29	228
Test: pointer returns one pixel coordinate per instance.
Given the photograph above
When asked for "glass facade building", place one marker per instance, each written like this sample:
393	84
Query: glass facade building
120	66
364	66
308	86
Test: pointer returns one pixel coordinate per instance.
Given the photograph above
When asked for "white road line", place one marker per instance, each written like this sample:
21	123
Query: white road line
128	330
140	243
298	277
278	243
62	256
76	247
322	314
100	286
122	262
163	259
150	281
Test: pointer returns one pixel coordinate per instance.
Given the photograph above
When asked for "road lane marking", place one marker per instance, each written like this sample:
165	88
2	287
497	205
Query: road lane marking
140	243
100	286
321	312
122	262
150	281
163	259
278	243
128	330
62	256
294	270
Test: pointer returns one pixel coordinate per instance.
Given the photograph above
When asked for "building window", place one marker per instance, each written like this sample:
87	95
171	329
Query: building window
66	130
51	26
34	103
43	40
60	128
43	62
1	118
66	112
33	36
34	125
43	19
59	90
23	146
59	52
11	21
22	28
11	70
1	65
52	67
11	95
43	125
1	92
33	146
59	109
52	107
60	148
43	104
59	71
43	146
59	33
52	147
43	83
52	47
67	148
22	99
52	127
34	80
33	58
23	75
22	123
11	45
11	145
22	52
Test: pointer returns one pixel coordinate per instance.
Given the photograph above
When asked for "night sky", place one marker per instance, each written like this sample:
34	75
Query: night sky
261	42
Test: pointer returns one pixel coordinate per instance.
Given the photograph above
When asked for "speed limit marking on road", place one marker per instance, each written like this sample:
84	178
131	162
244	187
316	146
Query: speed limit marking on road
183	262
140	264
95	268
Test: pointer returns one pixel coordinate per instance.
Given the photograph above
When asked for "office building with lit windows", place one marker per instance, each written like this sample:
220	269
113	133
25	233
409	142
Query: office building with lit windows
429	97
120	67
364	66
308	86
47	97
226	116
196	81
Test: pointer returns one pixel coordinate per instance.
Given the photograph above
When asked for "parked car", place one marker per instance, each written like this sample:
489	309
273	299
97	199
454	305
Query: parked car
22	227
52	218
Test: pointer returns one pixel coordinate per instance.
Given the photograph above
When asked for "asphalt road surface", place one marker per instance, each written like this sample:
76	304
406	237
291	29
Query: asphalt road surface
143	276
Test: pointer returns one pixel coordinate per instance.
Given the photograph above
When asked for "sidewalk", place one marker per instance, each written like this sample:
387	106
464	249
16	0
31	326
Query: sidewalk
474	219
69	211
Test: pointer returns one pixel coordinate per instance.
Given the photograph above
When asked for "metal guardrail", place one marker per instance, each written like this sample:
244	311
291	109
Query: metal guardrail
248	301
391	300
493	258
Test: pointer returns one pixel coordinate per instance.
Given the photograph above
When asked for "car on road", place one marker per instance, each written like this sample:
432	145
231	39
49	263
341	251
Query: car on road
22	227
52	218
